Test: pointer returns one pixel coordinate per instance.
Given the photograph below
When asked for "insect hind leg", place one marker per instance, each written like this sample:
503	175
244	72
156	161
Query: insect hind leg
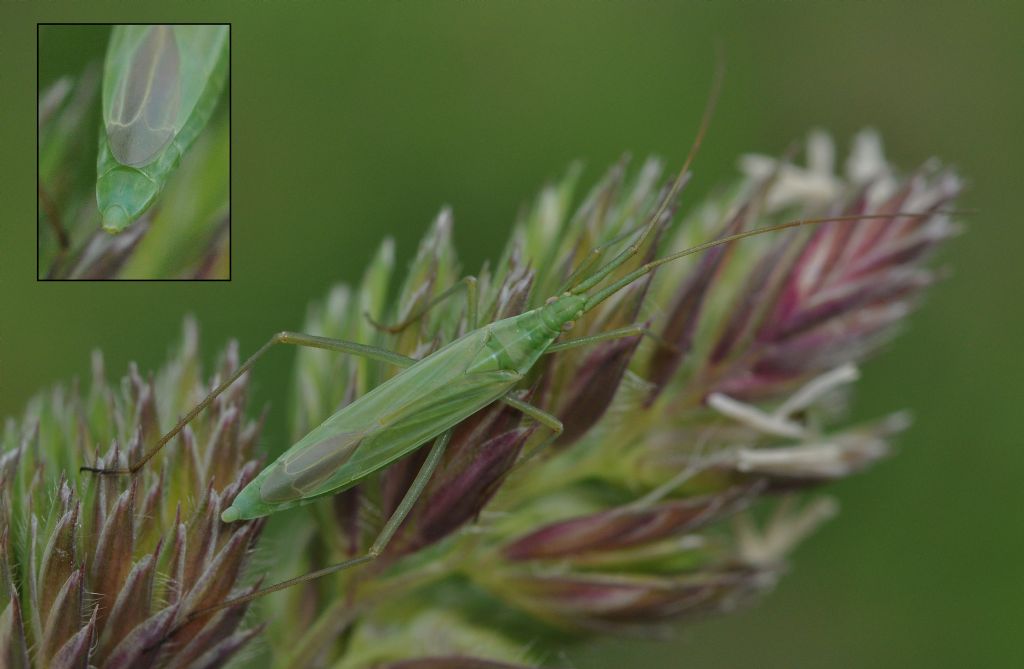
384	537
293	338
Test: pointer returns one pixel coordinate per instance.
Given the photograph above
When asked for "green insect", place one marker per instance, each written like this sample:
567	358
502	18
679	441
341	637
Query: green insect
161	84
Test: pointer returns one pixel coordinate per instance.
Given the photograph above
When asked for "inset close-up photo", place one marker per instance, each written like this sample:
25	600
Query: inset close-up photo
134	152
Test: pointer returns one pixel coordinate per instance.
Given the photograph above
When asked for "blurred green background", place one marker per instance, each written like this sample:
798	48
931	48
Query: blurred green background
356	120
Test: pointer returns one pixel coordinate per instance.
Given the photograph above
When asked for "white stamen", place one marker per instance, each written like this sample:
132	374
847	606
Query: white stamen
754	417
821	152
820	460
867	159
812	185
816	388
756	166
786	528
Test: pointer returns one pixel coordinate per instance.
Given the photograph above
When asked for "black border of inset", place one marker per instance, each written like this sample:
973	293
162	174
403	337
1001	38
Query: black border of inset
231	141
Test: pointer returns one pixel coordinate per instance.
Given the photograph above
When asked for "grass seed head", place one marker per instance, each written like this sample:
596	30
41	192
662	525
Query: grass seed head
105	570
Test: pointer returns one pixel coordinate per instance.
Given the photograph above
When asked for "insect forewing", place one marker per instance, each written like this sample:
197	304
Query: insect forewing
144	76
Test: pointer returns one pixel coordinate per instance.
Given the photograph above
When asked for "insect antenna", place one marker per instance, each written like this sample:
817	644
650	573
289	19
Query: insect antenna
595	253
603	294
673	192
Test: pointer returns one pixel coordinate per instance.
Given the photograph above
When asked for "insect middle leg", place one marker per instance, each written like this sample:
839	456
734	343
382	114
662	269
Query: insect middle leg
543	417
293	338
384	537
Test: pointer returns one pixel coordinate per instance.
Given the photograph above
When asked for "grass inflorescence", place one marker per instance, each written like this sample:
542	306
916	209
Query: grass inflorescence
688	468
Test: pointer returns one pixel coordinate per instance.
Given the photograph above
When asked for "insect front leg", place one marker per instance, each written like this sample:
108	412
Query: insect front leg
293	338
468	283
593	256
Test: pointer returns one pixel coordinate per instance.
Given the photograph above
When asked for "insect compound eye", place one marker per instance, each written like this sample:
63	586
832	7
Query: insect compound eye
551	300
568	325
298	475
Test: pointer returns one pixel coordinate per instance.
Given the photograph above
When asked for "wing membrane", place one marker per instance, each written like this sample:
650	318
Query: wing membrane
296	474
142	115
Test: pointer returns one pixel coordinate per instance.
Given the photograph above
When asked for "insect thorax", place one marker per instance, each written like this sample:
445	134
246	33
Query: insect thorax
514	344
